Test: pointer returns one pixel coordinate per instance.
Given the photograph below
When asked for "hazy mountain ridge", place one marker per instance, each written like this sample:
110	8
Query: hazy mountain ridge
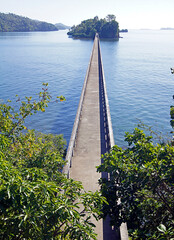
61	26
168	28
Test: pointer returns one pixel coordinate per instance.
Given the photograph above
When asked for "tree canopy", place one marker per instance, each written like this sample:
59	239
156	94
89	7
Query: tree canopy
140	187
110	17
36	200
106	28
14	23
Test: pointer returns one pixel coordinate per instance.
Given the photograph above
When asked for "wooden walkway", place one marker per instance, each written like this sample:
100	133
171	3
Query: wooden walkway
91	135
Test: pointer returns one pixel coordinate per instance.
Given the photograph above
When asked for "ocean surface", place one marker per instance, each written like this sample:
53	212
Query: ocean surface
139	82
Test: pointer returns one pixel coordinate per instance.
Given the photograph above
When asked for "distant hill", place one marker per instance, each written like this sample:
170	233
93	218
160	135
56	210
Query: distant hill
14	23
61	26
167	28
107	28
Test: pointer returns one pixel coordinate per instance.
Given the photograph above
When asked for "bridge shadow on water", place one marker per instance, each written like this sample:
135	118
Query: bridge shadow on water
109	232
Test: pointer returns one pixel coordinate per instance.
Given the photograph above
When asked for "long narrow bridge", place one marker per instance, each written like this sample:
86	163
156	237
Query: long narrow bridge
92	135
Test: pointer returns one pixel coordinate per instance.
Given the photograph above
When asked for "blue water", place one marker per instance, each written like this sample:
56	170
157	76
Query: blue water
137	71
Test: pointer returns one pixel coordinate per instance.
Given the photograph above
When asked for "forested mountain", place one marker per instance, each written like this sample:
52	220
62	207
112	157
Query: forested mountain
107	28
61	26
14	23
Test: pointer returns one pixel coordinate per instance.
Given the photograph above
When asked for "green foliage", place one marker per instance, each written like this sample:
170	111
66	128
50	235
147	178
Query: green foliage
105	28
110	18
109	30
172	112
36	200
165	233
14	23
140	187
172	116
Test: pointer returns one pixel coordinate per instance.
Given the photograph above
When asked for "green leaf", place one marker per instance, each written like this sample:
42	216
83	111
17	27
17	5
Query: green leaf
162	228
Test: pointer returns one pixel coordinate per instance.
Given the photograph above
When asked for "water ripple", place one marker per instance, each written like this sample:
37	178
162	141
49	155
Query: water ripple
137	72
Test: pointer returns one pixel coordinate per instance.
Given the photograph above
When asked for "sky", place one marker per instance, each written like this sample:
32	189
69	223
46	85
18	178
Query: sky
131	14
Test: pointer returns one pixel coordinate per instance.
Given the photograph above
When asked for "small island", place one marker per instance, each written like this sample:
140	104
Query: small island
123	30
107	28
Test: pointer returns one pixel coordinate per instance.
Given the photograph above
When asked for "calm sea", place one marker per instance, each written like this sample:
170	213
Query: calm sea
137	71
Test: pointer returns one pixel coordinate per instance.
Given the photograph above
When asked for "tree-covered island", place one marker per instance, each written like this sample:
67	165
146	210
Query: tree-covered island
106	28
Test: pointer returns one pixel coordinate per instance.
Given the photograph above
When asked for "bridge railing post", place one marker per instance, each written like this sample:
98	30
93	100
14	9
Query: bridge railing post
108	115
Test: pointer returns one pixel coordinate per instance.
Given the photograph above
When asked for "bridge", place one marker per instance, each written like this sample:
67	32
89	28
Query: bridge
92	135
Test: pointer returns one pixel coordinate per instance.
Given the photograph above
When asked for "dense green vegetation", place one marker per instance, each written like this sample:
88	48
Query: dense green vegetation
36	200
14	23
142	177
106	28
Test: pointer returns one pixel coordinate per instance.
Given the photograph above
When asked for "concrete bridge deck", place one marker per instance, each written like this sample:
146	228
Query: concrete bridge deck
87	153
91	135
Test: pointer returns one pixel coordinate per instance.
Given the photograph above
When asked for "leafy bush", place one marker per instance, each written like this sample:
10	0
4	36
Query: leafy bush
36	200
140	186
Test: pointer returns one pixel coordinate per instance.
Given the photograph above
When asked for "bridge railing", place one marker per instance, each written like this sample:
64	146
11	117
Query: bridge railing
72	141
110	135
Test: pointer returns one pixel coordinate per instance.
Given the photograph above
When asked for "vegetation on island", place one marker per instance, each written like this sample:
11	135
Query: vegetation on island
106	28
14	23
36	200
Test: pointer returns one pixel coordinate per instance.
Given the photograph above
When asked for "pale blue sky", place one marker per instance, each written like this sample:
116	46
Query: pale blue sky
131	14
